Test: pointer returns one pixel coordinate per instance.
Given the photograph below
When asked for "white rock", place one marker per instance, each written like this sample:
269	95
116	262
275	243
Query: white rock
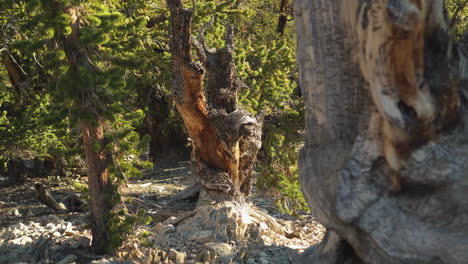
203	237
180	258
168	229
15	212
21	240
69	230
219	247
159	188
172	253
263	226
171	220
50	219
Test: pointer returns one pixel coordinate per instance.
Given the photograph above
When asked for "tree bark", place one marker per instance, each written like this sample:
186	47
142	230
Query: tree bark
385	156
14	73
99	184
225	139
283	18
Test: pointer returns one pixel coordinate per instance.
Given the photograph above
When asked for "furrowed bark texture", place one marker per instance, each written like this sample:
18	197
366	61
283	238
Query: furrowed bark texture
100	186
225	139
384	165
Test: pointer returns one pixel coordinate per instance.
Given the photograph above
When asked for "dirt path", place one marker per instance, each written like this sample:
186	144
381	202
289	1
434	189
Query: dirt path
30	232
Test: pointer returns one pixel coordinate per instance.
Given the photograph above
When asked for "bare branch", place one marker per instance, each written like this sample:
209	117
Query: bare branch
455	16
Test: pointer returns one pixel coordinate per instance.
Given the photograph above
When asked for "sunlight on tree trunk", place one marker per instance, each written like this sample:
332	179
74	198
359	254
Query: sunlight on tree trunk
100	186
225	139
98	182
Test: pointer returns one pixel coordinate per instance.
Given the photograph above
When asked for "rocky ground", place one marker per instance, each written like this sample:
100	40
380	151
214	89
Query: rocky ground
215	233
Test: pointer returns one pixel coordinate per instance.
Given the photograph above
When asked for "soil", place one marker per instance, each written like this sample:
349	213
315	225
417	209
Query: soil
179	232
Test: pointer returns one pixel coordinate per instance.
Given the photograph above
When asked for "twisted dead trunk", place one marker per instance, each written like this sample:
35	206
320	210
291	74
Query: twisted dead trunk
225	139
384	163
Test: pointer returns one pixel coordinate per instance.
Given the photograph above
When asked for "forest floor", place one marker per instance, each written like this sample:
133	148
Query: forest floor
31	232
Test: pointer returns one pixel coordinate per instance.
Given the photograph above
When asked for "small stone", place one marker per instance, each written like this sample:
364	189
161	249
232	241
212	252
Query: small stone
51	219
263	225
170	221
180	258
168	229
69	230
56	234
15	212
203	237
298	234
158	227
21	240
203	256
220	248
162	254
172	253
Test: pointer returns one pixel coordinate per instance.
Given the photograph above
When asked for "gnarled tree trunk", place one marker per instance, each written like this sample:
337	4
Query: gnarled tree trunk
384	165
225	139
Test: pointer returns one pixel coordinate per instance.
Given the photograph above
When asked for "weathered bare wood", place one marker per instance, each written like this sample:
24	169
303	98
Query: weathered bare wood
394	190
225	139
190	192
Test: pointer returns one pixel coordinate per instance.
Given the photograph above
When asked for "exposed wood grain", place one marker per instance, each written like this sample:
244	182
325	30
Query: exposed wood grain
414	80
225	139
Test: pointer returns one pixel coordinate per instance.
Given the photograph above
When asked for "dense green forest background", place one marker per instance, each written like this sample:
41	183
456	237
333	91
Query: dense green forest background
43	91
126	42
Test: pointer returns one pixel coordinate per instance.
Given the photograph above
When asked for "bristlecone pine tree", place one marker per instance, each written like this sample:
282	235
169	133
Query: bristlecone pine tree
83	60
225	139
386	154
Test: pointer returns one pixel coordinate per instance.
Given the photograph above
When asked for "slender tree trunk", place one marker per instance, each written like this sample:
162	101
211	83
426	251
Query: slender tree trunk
14	73
98	182
384	165
283	18
225	139
17	79
100	186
